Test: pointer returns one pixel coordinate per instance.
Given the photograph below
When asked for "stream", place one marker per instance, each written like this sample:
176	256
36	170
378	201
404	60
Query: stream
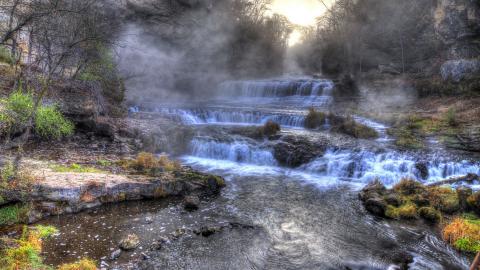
273	217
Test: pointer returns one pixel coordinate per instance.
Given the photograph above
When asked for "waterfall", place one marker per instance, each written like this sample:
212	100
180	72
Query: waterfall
215	116
365	166
277	88
236	151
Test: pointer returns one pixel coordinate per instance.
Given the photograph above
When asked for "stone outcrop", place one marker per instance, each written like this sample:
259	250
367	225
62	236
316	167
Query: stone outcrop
294	151
457	70
62	193
457	23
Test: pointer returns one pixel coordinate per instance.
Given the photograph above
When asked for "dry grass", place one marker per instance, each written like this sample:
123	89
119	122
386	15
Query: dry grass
147	163
463	234
83	264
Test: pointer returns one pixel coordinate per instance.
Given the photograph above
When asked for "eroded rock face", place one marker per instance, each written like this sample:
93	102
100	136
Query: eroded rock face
468	139
457	23
64	193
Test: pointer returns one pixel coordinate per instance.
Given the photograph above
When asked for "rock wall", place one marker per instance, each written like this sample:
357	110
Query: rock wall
457	23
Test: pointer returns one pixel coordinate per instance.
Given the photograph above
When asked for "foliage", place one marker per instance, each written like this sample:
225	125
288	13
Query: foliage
75	168
13	214
83	264
51	124
463	234
147	163
104	162
7	172
451	118
6	56
270	128
444	199
430	214
18	109
315	119
103	69
25	253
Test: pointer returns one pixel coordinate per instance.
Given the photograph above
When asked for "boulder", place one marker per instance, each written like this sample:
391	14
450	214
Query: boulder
82	102
294	151
376	205
116	254
130	242
422	169
456	70
191	203
373	189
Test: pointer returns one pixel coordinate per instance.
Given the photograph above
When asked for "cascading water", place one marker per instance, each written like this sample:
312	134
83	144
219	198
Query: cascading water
236	151
277	88
365	166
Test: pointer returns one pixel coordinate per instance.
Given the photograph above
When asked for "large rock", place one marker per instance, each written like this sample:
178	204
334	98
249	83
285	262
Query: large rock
81	102
457	24
294	151
468	139
456	70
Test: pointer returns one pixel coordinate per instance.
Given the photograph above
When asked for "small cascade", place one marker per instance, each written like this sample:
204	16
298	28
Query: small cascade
366	166
379	127
236	151
277	88
219	116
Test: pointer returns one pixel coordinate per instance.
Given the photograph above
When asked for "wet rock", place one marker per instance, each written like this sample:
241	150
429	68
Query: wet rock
373	189
403	261
149	219
116	254
208	231
178	233
376	206
422	169
294	151
191	203
130	242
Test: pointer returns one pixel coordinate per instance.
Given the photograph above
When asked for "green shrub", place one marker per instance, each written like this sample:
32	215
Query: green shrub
51	124
13	214
6	56
20	106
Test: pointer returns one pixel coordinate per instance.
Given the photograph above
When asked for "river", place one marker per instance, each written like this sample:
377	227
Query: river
274	217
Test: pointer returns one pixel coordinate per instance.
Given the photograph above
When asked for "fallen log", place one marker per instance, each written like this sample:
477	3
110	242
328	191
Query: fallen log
469	178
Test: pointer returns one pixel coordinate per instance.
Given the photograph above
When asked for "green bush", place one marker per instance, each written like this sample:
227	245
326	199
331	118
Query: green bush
13	214
6	56
51	124
20	106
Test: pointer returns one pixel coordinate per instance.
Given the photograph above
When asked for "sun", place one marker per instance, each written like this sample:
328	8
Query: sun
300	12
